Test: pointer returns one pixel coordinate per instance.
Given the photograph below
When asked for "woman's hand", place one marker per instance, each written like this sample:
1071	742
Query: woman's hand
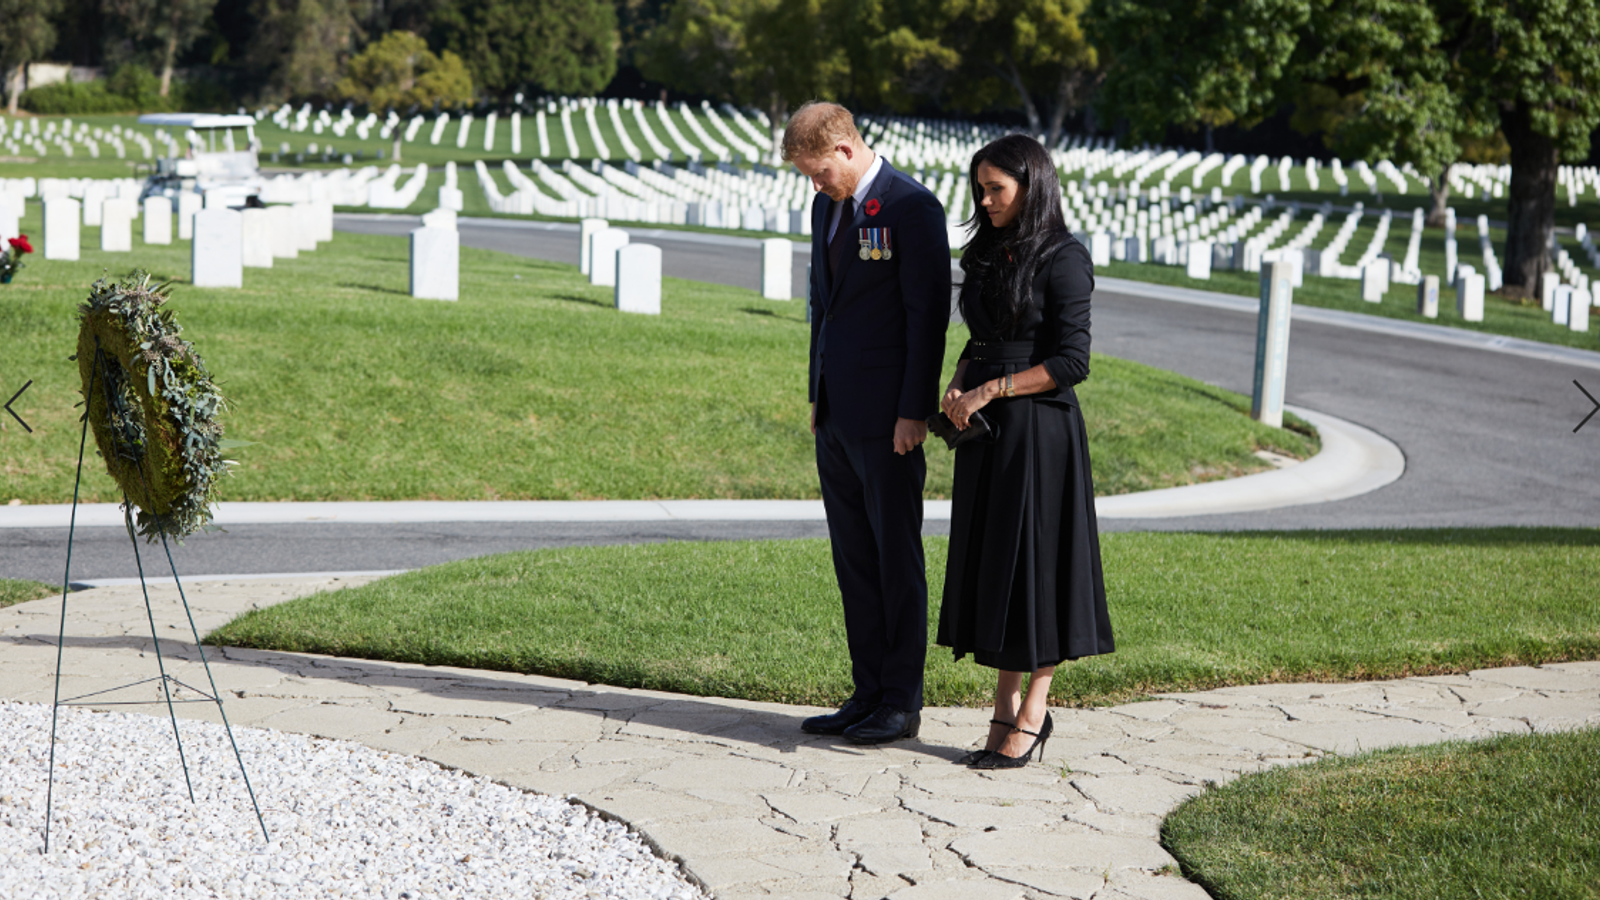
960	406
951	394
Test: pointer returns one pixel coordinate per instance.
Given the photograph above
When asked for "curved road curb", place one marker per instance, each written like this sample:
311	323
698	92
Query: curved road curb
1353	460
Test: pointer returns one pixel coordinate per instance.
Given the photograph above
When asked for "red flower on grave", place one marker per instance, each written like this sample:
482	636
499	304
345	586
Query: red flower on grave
872	206
20	242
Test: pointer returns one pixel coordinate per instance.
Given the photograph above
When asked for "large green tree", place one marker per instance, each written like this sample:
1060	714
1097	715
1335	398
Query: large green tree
560	46
299	47
771	54
165	27
1033	52
1408	80
25	35
399	71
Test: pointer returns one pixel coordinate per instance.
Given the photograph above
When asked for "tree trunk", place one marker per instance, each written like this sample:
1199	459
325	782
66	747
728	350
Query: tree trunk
1058	112
170	55
1211	147
18	80
776	113
1531	207
1439	190
1012	75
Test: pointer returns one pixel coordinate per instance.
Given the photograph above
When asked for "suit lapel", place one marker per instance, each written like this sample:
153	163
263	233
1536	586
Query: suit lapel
879	192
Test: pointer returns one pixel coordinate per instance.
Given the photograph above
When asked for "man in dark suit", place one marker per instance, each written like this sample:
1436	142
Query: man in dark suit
880	303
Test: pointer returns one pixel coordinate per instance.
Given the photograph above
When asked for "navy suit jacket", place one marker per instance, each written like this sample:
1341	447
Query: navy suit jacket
878	326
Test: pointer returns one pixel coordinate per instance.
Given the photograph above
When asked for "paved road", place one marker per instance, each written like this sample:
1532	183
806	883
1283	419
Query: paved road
1487	436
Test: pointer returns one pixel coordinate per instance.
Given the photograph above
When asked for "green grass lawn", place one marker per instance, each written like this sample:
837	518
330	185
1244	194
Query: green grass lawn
1508	818
761	619
14	591
530	387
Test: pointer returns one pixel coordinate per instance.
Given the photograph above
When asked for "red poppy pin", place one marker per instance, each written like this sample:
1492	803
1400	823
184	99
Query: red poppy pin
872	206
21	243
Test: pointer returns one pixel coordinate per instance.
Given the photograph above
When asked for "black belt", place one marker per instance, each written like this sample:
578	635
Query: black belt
999	351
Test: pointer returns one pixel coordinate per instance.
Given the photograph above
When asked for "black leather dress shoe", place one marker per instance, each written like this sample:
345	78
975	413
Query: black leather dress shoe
850	713
886	724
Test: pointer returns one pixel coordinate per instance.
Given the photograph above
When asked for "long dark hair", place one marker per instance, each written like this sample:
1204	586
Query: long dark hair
1006	259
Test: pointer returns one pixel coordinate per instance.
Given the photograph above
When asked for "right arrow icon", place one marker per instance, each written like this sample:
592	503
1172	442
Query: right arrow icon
1591	412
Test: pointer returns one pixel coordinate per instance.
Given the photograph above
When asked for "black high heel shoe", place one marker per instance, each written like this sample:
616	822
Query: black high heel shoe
976	756
998	760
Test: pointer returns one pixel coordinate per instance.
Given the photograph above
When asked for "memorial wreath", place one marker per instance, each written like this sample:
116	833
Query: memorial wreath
152	405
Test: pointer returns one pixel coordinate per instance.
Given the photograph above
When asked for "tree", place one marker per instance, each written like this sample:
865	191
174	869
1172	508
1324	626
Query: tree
25	35
560	46
1536	63
171	25
772	54
1410	80
1034	50
400	71
299	47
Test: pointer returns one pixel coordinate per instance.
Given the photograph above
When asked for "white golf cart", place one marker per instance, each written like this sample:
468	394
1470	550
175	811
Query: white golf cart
220	157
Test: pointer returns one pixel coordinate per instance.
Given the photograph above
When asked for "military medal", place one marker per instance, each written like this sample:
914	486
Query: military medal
887	251
877	243
865	240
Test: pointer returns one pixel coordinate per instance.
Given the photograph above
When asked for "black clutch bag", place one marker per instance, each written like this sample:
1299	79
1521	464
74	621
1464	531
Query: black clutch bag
978	430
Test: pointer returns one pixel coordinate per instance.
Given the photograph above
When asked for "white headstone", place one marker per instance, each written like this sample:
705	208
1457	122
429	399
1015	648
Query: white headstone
116	225
1560	305
216	200
638	279
1578	317
1099	248
777	268
1375	280
216	256
440	218
94	195
1272	344
1198	264
157	220
189	203
305	226
256	238
284	243
451	198
1547	289
1428	297
61	216
436	264
1469	297
603	249
324	210
586	230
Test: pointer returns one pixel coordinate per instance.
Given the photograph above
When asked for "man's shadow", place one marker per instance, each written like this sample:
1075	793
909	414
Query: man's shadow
704	718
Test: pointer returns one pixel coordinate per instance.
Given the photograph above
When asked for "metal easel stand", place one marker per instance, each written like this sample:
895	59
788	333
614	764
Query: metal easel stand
166	681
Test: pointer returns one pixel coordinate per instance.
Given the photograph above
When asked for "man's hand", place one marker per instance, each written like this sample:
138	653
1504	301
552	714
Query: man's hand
908	433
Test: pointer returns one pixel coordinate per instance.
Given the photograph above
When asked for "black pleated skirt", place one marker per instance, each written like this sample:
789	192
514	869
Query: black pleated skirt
1024	586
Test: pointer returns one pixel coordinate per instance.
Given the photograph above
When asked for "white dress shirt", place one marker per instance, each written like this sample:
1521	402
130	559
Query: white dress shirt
862	187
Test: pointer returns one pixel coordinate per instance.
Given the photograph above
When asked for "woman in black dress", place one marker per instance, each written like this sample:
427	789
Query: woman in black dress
1023	588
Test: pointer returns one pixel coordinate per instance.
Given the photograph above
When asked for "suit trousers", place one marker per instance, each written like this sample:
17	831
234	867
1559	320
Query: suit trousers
873	498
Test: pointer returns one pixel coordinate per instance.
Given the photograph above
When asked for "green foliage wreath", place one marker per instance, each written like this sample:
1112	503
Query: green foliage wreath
152	405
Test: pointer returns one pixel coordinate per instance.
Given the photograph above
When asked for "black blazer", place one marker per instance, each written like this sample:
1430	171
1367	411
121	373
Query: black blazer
1057	323
878	326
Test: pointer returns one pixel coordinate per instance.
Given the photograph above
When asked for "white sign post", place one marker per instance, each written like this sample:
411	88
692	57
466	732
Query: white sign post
1272	343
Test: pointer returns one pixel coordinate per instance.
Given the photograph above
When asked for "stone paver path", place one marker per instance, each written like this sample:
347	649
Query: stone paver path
754	808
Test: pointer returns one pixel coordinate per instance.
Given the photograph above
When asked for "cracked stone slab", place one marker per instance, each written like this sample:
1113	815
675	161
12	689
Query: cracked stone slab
1137	794
1062	849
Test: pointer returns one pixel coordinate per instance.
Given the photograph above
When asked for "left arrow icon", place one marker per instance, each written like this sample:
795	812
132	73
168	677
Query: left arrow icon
14	412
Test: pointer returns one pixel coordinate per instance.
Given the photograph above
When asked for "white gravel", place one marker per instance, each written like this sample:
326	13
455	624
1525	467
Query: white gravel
346	821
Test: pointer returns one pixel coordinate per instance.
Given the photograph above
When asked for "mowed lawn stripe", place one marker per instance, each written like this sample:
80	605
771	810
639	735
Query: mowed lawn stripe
761	619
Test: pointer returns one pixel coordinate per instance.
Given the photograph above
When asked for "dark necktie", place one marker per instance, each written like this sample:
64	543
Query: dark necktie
841	239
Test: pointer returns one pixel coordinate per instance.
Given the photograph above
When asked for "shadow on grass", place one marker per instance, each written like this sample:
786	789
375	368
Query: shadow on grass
579	298
374	288
758	312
